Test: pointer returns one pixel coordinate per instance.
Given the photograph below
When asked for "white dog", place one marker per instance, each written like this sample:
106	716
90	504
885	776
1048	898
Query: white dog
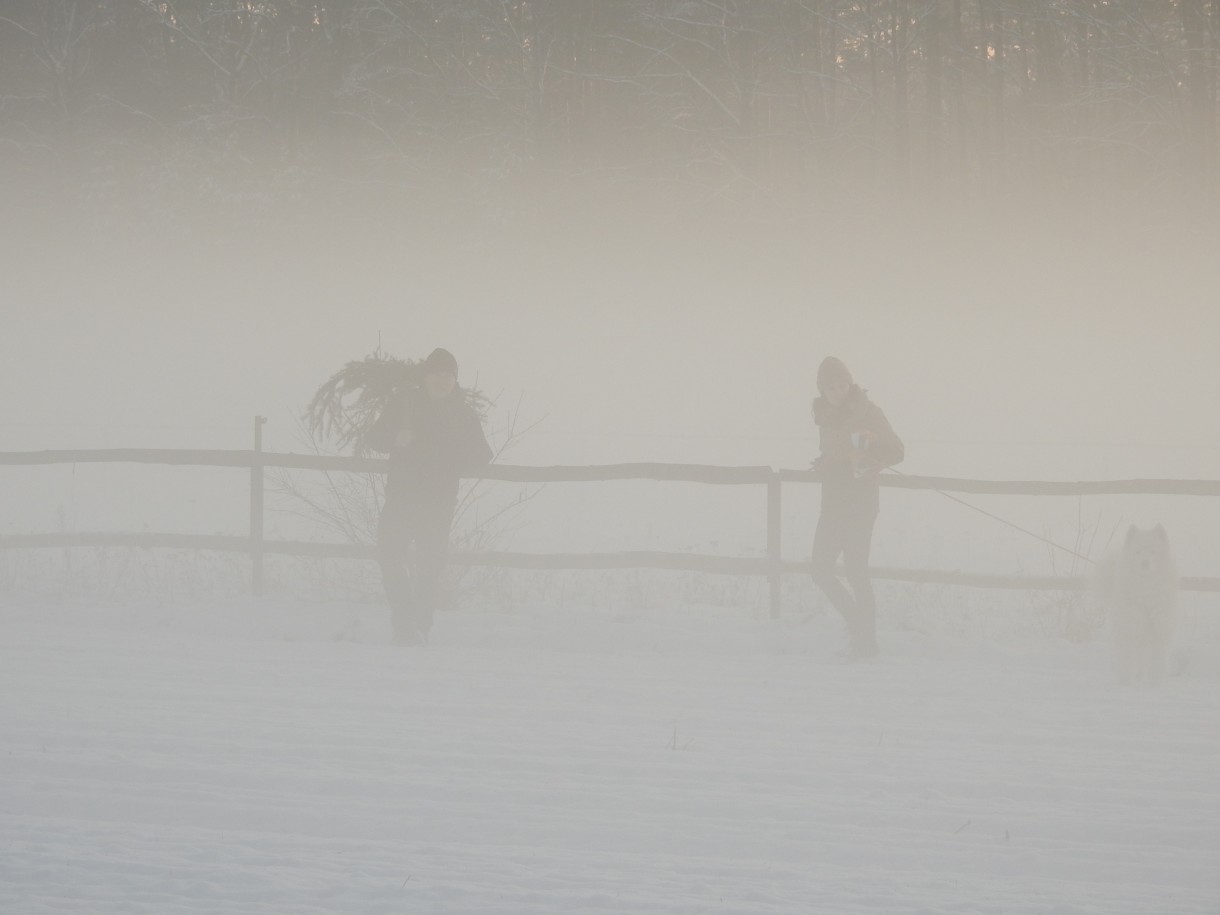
1139	587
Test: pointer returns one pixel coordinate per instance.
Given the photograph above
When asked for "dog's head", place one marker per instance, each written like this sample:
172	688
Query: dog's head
1146	552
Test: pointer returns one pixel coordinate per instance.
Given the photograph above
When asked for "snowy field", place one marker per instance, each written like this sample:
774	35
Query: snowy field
278	756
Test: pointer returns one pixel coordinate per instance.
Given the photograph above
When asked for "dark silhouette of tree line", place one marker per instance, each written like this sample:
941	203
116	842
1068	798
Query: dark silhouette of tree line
797	101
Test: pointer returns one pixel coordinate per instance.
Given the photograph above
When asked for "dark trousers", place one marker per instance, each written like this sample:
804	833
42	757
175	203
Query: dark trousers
847	530
412	544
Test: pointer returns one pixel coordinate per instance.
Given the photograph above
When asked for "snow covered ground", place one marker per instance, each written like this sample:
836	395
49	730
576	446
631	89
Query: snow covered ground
278	756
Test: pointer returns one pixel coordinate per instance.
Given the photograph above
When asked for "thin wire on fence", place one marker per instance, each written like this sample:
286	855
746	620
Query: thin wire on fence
1004	521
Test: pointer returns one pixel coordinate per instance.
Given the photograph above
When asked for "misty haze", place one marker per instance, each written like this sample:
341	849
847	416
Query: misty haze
552	456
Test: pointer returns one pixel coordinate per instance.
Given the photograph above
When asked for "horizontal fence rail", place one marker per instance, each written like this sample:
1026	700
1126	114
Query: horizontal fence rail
770	566
642	559
560	473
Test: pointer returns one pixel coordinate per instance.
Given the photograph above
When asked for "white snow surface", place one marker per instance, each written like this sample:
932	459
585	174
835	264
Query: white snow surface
280	756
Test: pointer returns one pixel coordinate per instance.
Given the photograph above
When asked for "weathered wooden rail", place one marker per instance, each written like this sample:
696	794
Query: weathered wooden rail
772	565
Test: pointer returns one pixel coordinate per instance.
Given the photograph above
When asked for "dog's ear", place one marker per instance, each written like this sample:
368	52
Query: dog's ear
1159	530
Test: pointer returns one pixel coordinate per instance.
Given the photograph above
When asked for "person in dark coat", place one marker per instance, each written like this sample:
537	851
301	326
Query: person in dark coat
857	442
434	438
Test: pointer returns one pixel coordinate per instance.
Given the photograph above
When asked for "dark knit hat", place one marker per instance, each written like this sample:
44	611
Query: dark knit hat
832	370
440	361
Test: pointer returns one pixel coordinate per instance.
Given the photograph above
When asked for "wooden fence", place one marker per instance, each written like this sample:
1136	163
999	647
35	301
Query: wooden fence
772	565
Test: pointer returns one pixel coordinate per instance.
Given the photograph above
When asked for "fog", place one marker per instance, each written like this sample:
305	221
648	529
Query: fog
1089	353
1006	347
640	227
1008	232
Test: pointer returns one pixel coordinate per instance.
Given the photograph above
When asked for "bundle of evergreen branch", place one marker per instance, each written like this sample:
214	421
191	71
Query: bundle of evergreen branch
346	406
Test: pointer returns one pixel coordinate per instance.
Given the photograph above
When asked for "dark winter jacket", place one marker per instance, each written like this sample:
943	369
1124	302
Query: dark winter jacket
447	443
849	469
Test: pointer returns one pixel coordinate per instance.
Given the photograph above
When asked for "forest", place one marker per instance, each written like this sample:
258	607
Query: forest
118	106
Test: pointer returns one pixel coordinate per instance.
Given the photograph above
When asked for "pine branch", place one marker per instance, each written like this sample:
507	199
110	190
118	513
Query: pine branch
347	404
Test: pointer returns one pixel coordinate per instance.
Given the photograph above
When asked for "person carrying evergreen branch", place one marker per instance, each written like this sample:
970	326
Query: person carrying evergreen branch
434	438
857	442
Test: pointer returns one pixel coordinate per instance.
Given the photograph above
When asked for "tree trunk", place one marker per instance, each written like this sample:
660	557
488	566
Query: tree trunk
902	138
933	26
1200	128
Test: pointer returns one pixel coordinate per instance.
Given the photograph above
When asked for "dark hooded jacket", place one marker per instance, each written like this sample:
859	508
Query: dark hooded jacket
447	443
849	474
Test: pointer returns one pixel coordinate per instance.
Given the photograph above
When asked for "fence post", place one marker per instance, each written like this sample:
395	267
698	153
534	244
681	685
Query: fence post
256	510
774	544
